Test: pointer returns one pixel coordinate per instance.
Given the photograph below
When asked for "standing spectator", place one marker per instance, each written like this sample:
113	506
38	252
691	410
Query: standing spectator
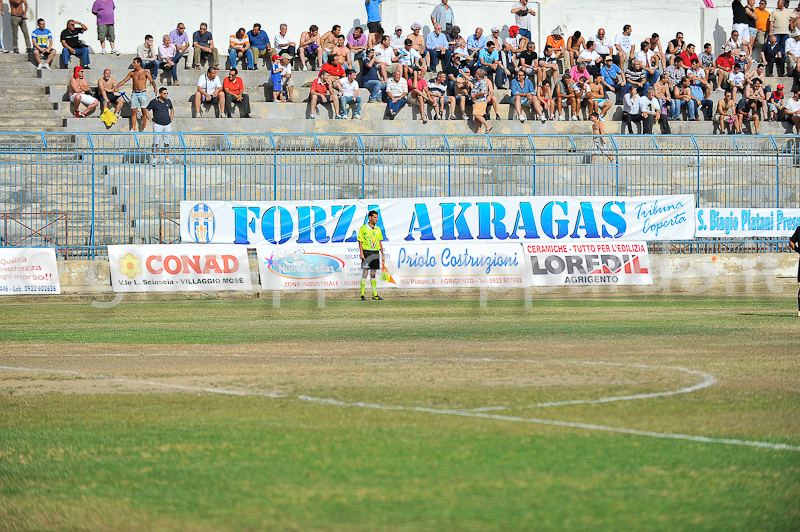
371	79
624	45
741	21
779	23
373	14
631	109
750	9
239	48
791	112
613	79
19	17
675	47
524	93
792	50
106	93
72	45
260	46
286	76
311	45
772	55
682	96
523	18
725	64
726	113
168	57
418	90
283	43
42	40
348	88
747	111
436	44
479	95
139	77
322	91
438	89
209	90
203	43
396	90
557	43
699	74
104	11
276	78
233	88
80	92
149	55
329	40
443	16
604	45
357	44
762	23
163	113
180	39
574	44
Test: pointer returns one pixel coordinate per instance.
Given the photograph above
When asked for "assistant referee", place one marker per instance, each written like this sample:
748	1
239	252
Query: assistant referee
794	243
370	244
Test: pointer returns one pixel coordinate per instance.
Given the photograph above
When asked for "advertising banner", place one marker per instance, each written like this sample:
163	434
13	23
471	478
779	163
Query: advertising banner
178	268
746	222
497	219
28	271
458	265
557	263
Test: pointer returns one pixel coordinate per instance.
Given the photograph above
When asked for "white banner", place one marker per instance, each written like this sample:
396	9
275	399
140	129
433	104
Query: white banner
178	268
746	222
498	219
27	271
557	263
458	265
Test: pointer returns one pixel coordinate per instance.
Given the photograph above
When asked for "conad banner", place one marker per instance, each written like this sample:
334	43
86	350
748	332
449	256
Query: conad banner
597	262
458	265
746	222
178	268
27	271
494	219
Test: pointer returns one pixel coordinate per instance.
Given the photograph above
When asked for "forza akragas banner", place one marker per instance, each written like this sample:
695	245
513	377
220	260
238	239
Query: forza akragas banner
178	268
747	222
427	220
557	263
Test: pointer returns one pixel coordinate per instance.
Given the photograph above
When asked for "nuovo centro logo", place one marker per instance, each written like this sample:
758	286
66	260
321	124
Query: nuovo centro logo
299	265
201	223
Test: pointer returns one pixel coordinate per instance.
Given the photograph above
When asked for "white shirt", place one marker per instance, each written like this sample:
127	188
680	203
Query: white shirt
792	105
631	105
513	42
287	70
736	79
646	105
792	47
349	90
624	41
282	42
397	88
384	55
524	22
602	46
588	56
396	42
644	58
409	57
209	85
700	73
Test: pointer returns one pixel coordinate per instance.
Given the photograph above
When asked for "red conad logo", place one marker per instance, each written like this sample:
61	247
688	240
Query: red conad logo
183	264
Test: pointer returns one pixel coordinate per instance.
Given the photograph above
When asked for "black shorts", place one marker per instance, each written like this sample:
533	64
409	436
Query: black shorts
112	98
373	26
372	260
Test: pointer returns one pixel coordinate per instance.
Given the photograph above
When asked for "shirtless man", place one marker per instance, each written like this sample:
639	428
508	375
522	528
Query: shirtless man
663	90
418	44
597	98
310	44
724	115
754	91
105	90
598	142
139	101
329	41
564	94
79	92
343	52
19	18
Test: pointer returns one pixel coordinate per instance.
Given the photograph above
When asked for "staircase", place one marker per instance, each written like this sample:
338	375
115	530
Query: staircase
24	103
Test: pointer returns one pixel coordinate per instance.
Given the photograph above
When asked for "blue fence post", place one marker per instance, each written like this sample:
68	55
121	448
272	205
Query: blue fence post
777	172
616	164
697	149
449	150
93	225
185	177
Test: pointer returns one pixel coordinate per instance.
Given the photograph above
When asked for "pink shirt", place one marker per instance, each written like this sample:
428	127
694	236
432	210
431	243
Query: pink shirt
421	84
104	11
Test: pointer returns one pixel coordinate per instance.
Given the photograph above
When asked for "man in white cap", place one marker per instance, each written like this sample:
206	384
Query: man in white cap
443	14
792	51
397	39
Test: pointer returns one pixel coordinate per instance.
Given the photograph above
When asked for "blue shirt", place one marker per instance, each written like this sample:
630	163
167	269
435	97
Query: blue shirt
610	74
432	41
487	57
472	44
259	41
373	10
527	88
370	73
41	38
697	91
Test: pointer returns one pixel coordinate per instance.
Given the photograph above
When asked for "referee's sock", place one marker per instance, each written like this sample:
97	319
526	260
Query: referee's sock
374	284
363	286
798	302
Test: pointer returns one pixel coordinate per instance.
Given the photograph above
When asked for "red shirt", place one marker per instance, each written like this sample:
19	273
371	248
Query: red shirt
687	59
319	86
236	87
726	63
332	70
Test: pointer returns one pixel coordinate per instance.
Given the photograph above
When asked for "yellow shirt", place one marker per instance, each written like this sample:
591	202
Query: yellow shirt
370	237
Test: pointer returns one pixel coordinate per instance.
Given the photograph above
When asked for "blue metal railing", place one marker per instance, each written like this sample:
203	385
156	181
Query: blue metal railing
80	192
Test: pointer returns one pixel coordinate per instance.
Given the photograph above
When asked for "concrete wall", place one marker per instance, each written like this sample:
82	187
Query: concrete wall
157	17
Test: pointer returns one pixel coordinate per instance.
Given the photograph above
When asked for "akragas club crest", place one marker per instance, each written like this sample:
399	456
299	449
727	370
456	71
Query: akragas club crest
201	223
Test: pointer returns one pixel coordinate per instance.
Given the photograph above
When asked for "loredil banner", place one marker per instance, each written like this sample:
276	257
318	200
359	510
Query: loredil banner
458	265
28	271
746	222
597	262
427	220
178	268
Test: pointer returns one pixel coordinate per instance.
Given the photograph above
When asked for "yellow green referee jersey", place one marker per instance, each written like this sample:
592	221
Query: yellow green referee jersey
370	237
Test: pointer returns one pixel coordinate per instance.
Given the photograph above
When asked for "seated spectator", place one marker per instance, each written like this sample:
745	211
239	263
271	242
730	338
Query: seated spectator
80	93
524	93
418	90
260	46
792	49
682	97
396	90
631	109
310	48
437	87
329	40
461	51
528	61
635	75
574	44
452	72
675	47
726	113
73	45
287	83
736	81
180	39
42	40
707	60
613	79
688	55
676	72
149	55
755	91
453	36
791	112
489	61
649	65
348	90
233	87
342	51
775	103
517	42
557	43
564	94
203	44
663	90
376	38
523	16
579	72
480	95
737	45
603	45
747	111
106	93
651	110
276	78
772	55
386	60
545	96
333	68
357	46
548	64
408	58
396	40
438	49
660	56
702	103
725	64
581	93
209	91
418	42
757	73
239	49
699	74
598	103
744	62
589	55
371	79
507	65
476	42
462	90
624	46
322	92
284	44
168	57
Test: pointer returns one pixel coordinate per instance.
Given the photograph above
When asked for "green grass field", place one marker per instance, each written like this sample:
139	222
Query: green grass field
193	415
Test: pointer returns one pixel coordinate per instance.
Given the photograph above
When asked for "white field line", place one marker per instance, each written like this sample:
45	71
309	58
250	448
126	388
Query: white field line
709	380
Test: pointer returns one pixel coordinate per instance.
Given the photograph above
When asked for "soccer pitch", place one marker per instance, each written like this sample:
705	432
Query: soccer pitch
580	413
